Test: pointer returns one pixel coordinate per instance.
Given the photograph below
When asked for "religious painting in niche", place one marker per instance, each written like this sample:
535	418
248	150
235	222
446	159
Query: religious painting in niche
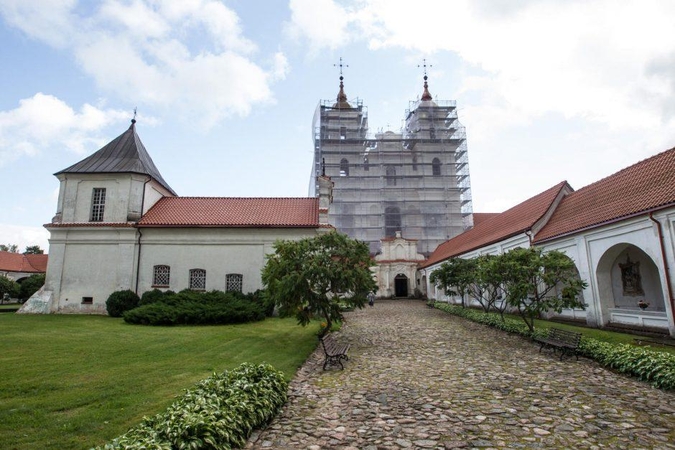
630	278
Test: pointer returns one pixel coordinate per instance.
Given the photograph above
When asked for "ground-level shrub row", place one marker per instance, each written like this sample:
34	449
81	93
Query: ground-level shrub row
654	367
220	412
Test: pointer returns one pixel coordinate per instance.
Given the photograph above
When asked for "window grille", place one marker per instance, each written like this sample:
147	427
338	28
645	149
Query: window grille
234	282
198	279
97	205
161	276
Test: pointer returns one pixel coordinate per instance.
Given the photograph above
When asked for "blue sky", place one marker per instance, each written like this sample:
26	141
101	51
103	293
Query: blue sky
226	90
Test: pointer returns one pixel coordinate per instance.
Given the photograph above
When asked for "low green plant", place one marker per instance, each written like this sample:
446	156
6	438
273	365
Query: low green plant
219	413
197	308
121	301
657	368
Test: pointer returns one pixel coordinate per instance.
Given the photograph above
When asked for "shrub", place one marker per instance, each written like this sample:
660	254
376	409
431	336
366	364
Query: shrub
121	301
9	287
218	413
30	286
152	296
198	308
656	368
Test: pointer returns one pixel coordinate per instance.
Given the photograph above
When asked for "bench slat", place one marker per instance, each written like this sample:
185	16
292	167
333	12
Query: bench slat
562	339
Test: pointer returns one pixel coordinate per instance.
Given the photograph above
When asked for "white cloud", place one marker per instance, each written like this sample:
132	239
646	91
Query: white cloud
323	23
43	122
24	236
189	56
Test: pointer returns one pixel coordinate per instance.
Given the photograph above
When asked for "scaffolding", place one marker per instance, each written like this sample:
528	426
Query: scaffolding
415	180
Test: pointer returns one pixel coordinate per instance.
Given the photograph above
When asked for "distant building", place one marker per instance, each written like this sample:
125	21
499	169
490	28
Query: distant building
415	181
17	266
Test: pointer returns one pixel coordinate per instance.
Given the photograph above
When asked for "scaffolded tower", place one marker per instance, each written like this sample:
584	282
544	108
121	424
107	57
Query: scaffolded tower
415	181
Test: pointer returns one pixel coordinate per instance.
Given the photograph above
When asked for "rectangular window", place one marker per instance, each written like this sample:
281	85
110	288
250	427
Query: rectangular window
343	132
97	205
234	282
198	279
87	300
161	276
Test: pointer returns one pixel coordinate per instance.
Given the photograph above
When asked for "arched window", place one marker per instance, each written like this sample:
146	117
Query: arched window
344	168
391	176
366	165
161	276
234	282
392	221
414	162
436	167
198	279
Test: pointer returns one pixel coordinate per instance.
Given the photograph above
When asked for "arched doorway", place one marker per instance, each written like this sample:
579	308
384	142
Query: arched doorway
627	276
401	285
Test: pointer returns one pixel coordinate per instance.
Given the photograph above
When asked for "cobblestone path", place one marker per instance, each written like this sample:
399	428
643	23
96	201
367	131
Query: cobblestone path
419	378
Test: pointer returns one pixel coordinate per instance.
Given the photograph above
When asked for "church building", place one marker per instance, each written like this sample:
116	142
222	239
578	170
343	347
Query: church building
119	225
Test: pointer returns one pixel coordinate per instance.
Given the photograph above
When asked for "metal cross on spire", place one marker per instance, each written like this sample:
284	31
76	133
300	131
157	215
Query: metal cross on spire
424	64
340	65
133	120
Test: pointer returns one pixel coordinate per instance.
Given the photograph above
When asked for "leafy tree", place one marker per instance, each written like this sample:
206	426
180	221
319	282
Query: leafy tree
34	250
9	287
314	276
31	285
488	281
536	282
11	248
455	276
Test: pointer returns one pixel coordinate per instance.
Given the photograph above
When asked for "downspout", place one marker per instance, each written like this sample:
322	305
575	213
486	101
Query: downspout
140	235
665	261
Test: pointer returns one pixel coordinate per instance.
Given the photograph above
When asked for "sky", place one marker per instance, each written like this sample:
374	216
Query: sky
225	91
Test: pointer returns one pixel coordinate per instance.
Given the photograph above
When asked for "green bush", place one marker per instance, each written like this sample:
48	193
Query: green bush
9	287
152	296
197	308
30	286
219	413
656	368
121	301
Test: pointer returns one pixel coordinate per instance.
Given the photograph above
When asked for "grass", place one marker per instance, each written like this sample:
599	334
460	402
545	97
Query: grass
11	306
78	381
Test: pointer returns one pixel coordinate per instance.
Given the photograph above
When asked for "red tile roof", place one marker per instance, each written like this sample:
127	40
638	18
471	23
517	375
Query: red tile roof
642	187
16	262
514	221
482	217
233	212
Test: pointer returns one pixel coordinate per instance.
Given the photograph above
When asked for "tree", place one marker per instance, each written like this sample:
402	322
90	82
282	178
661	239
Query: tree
34	250
488	281
312	276
11	248
536	282
31	285
9	287
455	276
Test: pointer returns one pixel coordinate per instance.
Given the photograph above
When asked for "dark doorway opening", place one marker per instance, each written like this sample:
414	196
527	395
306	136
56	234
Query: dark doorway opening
401	285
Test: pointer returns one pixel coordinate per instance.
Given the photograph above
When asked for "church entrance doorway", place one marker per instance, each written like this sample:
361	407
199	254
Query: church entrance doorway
401	285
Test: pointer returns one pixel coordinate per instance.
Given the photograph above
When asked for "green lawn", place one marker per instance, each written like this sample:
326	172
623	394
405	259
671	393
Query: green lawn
78	381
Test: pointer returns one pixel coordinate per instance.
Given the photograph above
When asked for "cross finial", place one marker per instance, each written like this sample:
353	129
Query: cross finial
424	65
133	120
340	65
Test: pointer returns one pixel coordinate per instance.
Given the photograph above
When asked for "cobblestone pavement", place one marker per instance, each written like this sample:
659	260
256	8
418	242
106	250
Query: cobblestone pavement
419	378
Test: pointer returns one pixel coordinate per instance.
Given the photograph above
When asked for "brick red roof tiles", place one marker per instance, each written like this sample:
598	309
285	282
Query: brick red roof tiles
17	262
482	217
233	212
645	186
511	222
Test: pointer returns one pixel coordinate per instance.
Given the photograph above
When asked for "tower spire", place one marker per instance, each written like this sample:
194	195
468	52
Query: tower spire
341	97
426	96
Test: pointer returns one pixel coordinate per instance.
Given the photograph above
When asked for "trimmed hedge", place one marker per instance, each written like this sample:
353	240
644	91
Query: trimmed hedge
656	368
196	308
220	412
120	302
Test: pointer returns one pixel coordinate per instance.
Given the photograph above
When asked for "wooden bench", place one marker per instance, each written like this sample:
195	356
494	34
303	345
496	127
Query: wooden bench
566	341
335	352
